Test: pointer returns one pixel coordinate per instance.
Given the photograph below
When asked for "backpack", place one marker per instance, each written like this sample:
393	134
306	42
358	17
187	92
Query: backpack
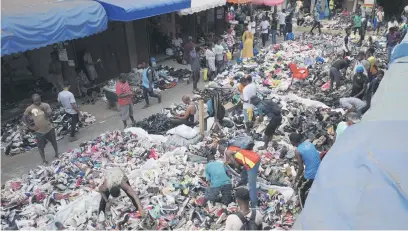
248	224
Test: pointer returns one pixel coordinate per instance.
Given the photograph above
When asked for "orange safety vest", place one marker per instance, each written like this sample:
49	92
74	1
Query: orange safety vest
245	157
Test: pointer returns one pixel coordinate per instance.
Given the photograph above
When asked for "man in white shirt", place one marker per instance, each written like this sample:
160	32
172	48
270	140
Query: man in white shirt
236	221
281	19
265	30
177	41
210	57
392	23
67	100
248	92
219	55
380	18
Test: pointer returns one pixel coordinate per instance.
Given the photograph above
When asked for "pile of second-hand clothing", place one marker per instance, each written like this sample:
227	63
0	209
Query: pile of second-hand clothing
16	138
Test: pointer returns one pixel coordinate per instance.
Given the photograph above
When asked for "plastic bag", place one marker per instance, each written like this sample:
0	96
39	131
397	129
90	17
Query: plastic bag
326	86
183	131
205	74
290	36
243	141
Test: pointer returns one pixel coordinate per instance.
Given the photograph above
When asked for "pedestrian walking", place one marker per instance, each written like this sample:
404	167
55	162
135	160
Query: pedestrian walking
125	96
357	23
281	17
274	29
316	22
265	31
67	100
40	114
148	77
195	66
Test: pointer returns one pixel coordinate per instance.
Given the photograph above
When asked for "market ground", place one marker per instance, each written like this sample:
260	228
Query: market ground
106	120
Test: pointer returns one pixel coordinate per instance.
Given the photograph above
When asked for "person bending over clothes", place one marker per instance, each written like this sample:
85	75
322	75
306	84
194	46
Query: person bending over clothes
250	161
273	112
335	74
307	155
115	180
220	182
190	116
353	105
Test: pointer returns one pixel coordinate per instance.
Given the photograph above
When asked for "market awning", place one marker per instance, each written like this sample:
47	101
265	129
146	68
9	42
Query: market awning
31	24
201	5
239	1
268	2
129	10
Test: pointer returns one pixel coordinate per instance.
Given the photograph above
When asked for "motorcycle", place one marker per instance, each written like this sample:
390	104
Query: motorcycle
178	54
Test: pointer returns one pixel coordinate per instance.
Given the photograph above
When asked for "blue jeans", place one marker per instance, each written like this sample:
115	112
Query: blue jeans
274	34
250	176
390	48
212	193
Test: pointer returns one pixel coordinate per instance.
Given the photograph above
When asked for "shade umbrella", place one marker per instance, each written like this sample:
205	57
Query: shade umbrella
267	2
239	1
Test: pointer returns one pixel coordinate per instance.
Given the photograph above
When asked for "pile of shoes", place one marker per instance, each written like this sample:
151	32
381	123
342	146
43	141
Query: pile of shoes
16	138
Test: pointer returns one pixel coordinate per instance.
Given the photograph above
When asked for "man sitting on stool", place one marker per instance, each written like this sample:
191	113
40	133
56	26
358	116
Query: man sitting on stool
190	116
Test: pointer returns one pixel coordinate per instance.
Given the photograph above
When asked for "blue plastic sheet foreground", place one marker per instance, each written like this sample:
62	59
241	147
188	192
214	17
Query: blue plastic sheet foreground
31	24
129	10
362	182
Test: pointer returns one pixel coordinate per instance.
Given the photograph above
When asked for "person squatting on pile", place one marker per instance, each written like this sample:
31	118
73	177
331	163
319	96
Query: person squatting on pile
219	181
190	116
40	113
274	114
125	96
67	100
115	180
360	83
249	161
335	74
308	156
148	84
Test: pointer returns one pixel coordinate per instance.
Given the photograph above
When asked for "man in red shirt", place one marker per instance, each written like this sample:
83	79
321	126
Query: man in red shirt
125	96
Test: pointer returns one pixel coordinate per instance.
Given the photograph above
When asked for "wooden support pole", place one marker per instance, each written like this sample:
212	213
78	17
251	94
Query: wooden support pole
201	116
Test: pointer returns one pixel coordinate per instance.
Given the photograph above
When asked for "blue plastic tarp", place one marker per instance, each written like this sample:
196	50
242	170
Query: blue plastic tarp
362	182
129	10
31	24
400	50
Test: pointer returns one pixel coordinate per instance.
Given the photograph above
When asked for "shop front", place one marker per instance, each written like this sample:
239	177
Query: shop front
37	53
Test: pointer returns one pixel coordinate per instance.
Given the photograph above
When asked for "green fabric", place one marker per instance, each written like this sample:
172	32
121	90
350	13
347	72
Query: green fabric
357	21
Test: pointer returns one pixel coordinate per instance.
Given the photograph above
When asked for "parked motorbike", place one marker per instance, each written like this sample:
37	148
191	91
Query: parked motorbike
178	54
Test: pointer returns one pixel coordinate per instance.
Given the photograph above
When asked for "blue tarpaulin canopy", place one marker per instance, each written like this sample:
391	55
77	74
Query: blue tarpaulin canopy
129	10
400	50
31	24
362	182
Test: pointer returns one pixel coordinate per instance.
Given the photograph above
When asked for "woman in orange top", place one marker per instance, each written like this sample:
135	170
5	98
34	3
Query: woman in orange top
241	85
250	161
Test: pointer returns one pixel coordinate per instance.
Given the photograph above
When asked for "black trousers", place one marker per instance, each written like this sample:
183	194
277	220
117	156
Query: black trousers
102	203
147	92
300	21
74	122
281	29
355	30
316	24
303	186
196	77
264	38
219	65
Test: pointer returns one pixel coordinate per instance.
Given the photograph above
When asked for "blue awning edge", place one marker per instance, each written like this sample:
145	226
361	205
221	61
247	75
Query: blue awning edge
400	50
37	23
129	10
